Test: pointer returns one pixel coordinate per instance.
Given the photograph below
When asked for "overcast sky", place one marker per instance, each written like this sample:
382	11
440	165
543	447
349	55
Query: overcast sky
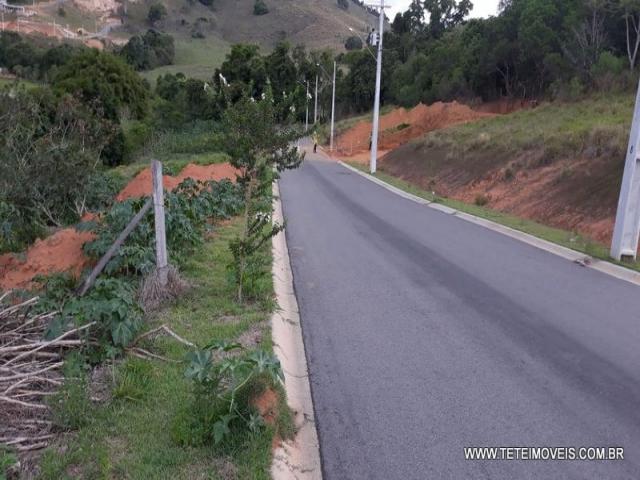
481	8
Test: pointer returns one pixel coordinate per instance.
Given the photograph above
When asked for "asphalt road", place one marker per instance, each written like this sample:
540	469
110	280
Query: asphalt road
426	334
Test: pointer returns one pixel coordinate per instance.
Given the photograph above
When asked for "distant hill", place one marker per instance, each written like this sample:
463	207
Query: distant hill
314	23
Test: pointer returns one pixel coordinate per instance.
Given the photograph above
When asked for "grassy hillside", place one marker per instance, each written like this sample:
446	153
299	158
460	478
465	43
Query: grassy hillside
318	24
559	164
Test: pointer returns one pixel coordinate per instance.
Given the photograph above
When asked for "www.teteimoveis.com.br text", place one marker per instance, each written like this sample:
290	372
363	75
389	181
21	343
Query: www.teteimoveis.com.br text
545	453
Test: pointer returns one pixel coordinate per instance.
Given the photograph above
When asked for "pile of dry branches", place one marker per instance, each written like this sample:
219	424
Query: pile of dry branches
30	371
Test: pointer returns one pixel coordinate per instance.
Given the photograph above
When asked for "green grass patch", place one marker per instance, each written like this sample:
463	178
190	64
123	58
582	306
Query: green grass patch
195	57
131	436
572	240
597	125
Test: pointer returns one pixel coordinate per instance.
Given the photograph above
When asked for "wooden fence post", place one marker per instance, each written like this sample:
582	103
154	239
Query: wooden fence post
162	264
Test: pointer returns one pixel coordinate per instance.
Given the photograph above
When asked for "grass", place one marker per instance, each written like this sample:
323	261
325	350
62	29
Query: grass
572	240
197	58
130	437
562	129
10	82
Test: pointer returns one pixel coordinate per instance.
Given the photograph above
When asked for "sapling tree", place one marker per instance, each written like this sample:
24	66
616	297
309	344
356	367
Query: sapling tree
259	148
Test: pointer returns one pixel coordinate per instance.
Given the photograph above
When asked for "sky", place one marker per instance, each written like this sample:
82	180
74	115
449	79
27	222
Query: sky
481	8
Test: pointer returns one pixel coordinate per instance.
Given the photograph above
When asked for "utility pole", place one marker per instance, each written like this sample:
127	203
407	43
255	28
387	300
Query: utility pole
315	111
376	104
306	120
624	245
333	106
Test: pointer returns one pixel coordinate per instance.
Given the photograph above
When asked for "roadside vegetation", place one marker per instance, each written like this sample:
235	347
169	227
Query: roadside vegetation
155	383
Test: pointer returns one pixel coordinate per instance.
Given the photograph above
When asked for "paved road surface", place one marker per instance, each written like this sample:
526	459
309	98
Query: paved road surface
426	334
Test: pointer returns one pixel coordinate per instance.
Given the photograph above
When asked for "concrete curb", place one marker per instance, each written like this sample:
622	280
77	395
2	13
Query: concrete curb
297	459
608	268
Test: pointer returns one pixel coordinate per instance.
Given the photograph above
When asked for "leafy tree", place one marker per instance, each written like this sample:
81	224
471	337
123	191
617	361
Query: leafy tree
353	43
148	51
50	148
102	79
260	8
157	12
257	145
446	14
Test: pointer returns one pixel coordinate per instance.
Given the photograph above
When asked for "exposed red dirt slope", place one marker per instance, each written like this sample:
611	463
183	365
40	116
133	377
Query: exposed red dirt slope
141	185
59	253
401	125
62	252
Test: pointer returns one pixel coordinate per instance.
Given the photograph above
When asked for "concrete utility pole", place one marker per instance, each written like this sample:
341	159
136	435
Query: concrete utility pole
333	106
306	120
315	111
162	262
376	104
627	229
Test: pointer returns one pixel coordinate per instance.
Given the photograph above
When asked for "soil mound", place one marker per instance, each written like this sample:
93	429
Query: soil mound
62	252
59	253
401	125
141	185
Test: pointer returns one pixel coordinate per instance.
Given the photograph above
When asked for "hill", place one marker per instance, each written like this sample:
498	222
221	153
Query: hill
202	33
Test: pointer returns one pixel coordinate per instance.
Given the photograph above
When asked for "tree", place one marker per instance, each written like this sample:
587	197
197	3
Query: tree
157	12
50	147
631	9
257	146
260	8
445	14
148	51
353	43
104	80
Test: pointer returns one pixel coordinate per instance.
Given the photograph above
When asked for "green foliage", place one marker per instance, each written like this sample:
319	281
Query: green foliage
7	460
222	392
50	151
103	80
71	407
260	8
148	51
187	210
157	12
132	380
353	43
257	145
112	304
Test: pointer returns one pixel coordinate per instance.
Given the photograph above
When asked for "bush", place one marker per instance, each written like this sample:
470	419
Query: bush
222	393
353	43
481	200
49	149
157	12
343	4
260	8
92	75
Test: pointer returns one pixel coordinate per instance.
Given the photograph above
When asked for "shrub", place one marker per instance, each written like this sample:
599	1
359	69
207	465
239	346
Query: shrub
260	8
49	149
343	4
157	12
222	393
481	200
353	43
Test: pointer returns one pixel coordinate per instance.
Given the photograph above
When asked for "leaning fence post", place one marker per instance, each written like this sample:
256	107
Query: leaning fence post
158	210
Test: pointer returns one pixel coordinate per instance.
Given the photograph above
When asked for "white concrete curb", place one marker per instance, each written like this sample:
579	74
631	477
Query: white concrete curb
564	252
298	459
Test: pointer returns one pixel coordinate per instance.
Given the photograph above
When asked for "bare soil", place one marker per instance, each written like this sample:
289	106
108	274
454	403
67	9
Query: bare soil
401	125
62	252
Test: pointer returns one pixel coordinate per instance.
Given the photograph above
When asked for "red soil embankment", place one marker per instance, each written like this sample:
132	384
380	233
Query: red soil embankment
141	185
59	253
401	125
62	252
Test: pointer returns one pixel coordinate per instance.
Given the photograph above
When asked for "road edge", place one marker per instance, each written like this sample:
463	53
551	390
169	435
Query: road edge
602	266
299	458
